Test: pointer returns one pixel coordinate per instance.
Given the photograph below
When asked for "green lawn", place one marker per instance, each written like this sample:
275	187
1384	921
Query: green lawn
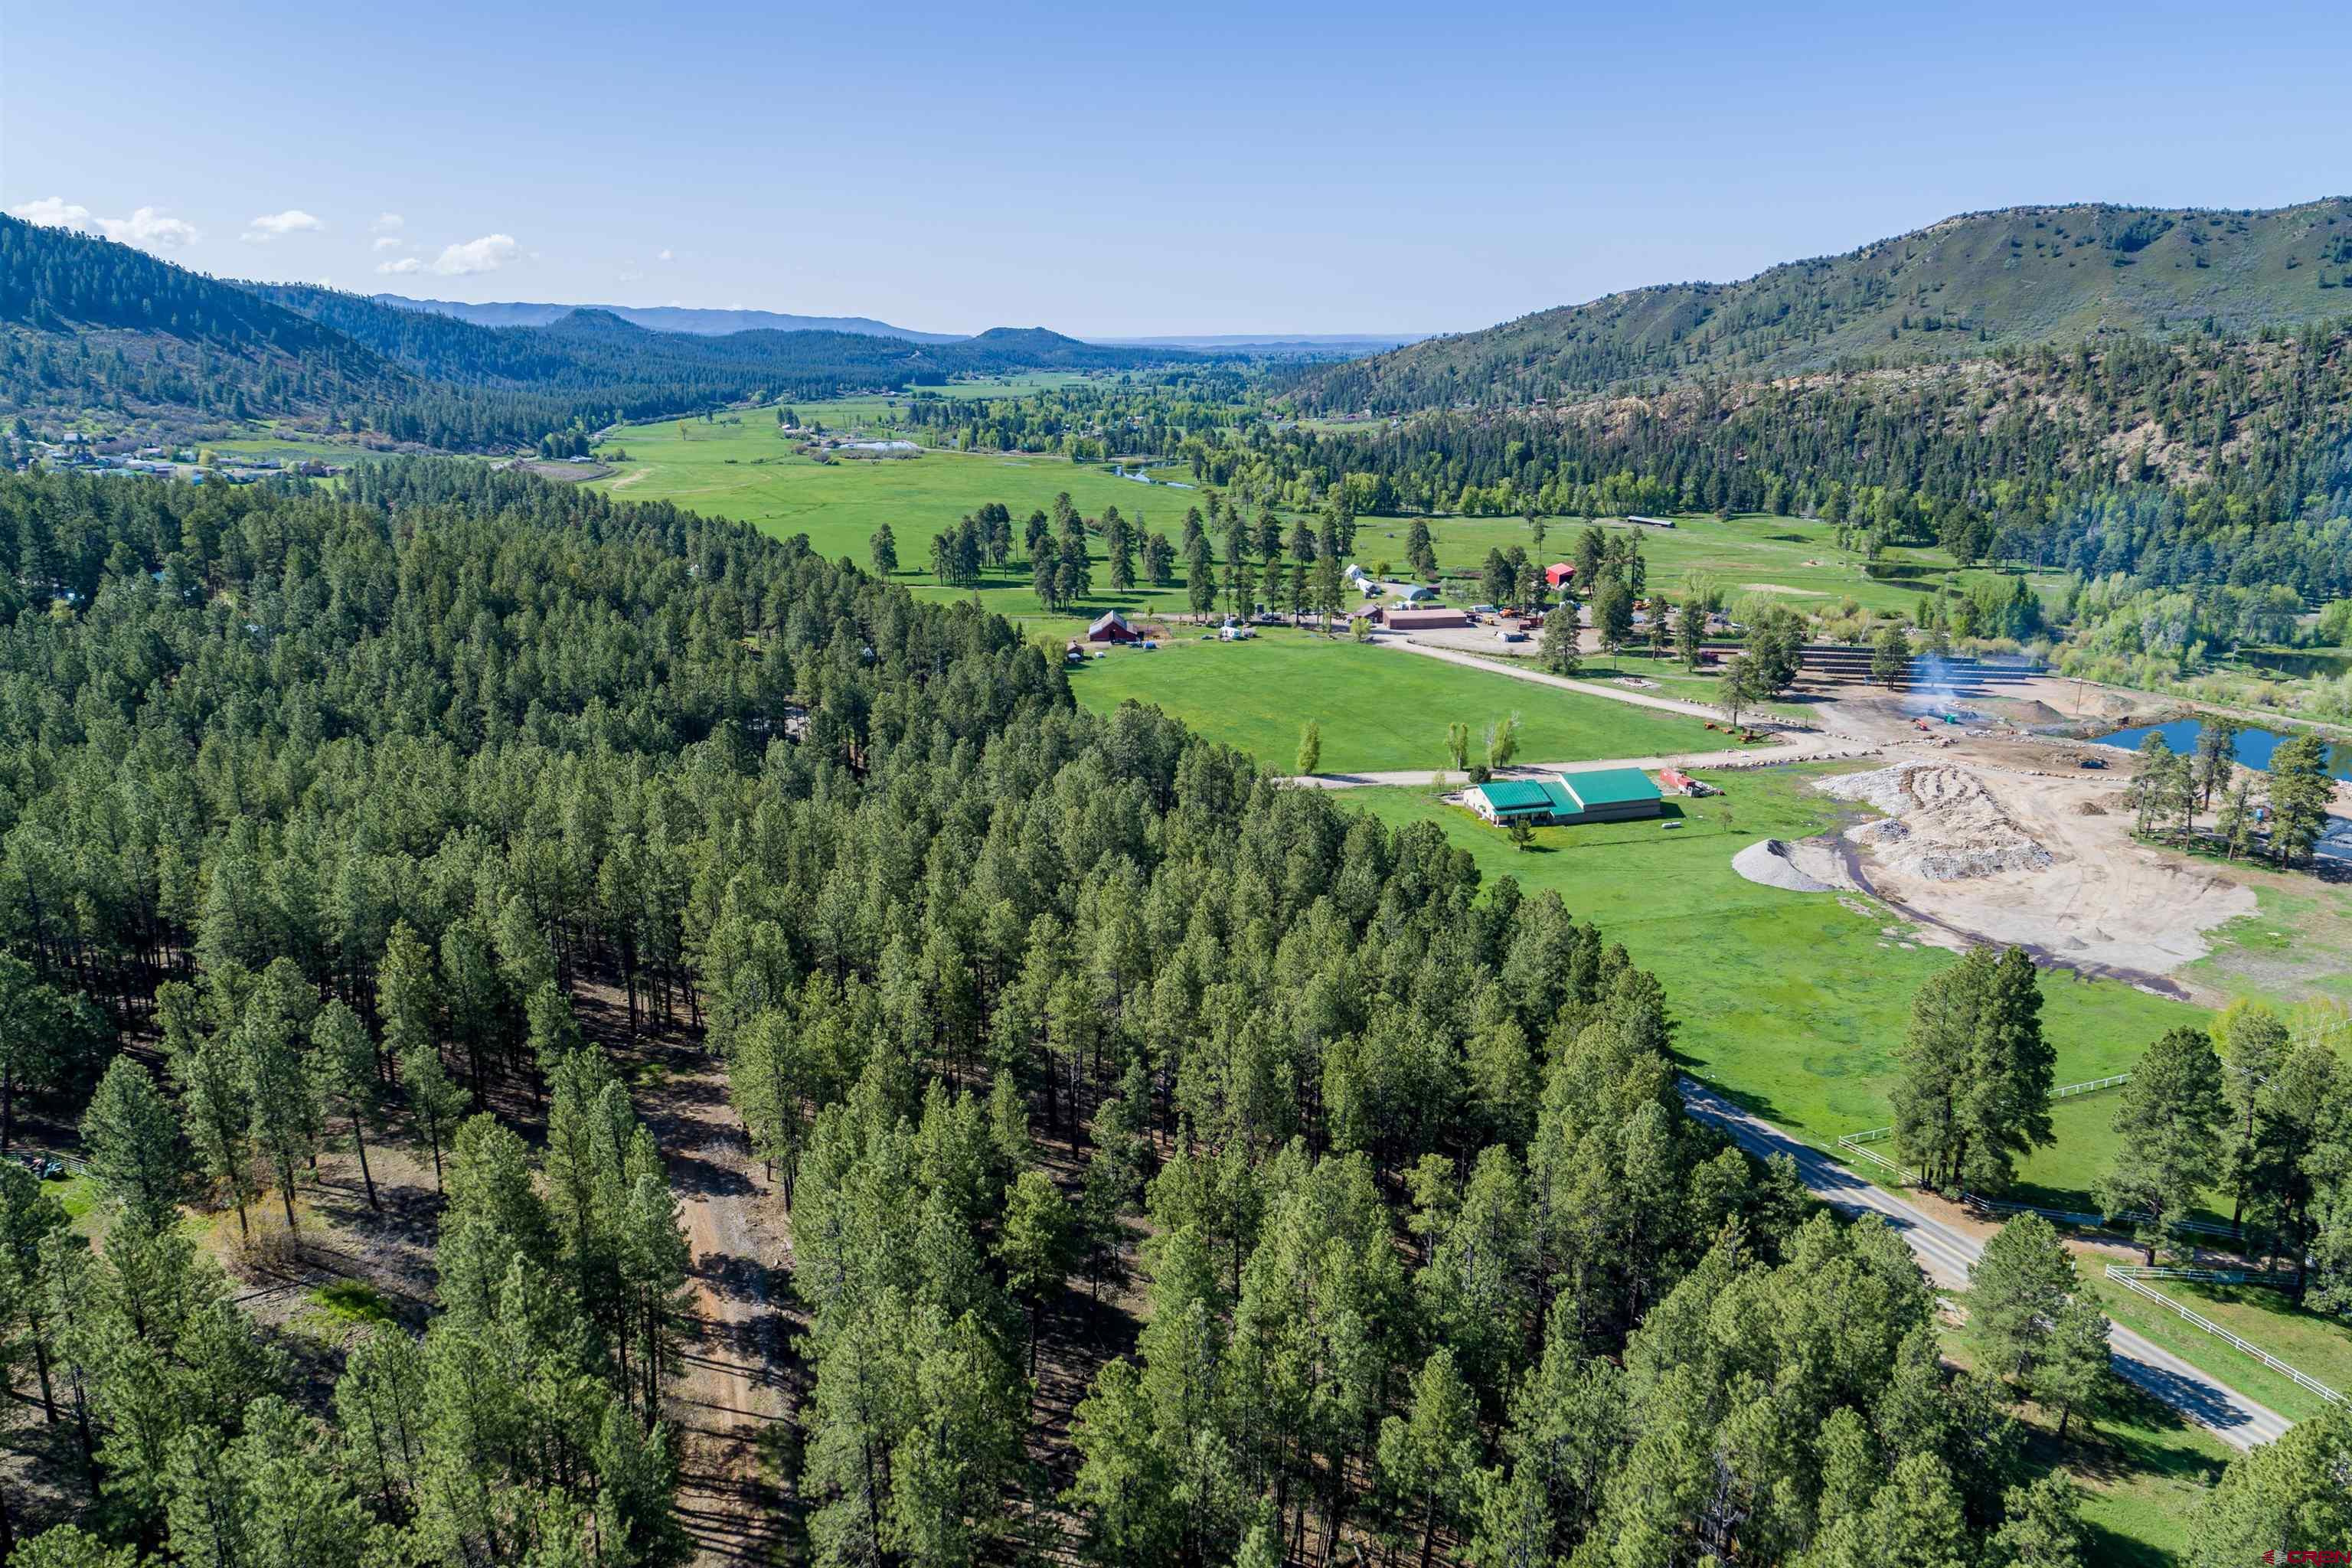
1380	709
1795	1003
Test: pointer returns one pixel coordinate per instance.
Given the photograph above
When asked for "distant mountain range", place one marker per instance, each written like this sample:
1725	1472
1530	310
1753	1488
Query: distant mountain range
719	323
669	318
1963	288
93	330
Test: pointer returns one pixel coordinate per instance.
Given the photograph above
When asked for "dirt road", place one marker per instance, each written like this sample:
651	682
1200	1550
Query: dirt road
732	1393
1801	749
1566	683
1947	1254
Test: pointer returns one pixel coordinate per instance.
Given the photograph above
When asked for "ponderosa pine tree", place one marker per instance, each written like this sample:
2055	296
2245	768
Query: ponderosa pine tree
132	1135
1428	1458
434	1102
2280	1498
2169	1122
2029	1322
1558	651
2252	1044
1974	1090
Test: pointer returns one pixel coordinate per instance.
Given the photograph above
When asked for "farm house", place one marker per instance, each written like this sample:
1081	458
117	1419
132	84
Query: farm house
1600	795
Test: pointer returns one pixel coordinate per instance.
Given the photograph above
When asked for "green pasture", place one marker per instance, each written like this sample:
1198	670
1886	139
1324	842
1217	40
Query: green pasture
1795	1003
1790	560
1380	710
737	465
746	470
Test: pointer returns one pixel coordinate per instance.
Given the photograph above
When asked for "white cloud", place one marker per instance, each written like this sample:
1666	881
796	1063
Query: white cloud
406	264
147	227
388	223
627	275
667	254
387	242
277	226
486	253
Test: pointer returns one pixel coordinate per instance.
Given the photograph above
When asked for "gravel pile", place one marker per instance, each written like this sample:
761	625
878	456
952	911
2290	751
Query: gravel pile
1766	861
1940	823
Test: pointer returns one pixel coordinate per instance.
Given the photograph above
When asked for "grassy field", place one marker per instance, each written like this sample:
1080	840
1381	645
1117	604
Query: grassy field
1796	1003
1380	710
746	470
738	465
2061	1175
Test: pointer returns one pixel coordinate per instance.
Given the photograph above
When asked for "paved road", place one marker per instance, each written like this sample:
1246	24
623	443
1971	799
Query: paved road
1947	1254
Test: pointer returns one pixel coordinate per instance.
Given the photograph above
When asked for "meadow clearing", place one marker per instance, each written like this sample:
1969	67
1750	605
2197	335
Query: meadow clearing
1379	710
738	464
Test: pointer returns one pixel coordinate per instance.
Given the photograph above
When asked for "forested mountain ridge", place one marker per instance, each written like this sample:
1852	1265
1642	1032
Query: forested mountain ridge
85	322
1958	289
88	326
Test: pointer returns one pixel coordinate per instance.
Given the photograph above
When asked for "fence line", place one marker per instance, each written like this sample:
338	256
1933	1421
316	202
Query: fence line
1857	1144
2090	1086
2117	1222
2123	1276
2275	1278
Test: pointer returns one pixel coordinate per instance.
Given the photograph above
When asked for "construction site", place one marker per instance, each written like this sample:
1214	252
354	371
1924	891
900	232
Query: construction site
1996	816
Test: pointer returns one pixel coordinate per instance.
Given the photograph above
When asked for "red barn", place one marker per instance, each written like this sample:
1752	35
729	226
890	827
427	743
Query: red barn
1559	574
1112	627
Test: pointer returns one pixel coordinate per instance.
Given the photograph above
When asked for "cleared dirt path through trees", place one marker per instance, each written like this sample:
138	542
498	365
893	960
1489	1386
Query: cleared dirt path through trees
733	1397
1947	1255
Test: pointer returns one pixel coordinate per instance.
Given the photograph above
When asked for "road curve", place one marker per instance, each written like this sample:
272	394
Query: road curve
1945	1254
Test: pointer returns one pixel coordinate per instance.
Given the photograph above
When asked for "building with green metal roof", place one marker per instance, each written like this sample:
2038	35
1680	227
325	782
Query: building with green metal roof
1601	795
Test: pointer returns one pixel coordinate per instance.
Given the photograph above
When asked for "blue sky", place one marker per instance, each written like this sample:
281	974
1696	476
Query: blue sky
1211	169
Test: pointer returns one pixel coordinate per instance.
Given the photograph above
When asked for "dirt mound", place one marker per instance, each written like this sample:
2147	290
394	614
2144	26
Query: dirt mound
1768	861
2090	808
1940	823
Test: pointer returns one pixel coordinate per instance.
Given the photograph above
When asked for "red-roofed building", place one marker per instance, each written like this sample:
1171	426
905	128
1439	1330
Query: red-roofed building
1558	575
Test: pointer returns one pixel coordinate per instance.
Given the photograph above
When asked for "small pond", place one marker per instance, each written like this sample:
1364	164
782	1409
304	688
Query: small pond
2253	746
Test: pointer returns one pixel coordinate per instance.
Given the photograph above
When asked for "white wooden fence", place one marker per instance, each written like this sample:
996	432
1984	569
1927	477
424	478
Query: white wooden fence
2090	1086
2130	1279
